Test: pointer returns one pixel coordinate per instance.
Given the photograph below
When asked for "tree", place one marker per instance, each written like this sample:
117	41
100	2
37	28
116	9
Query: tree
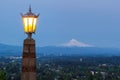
2	76
89	76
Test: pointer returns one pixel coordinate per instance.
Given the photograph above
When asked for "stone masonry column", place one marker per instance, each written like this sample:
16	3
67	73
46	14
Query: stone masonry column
29	60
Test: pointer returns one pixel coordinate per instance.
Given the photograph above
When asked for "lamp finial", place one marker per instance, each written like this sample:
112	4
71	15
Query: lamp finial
30	8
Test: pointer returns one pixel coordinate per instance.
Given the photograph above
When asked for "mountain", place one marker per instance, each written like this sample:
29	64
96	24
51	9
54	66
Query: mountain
8	50
75	43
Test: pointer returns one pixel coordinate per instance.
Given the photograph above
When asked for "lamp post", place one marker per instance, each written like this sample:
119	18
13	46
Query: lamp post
29	53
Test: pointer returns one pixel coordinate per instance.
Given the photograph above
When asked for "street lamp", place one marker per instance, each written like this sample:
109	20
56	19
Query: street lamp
29	51
30	21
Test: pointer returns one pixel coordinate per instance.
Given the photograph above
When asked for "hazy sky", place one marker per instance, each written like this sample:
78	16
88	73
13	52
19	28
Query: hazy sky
94	22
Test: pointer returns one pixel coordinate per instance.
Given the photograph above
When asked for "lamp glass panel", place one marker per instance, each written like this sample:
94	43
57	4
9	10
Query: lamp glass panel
34	24
25	22
30	24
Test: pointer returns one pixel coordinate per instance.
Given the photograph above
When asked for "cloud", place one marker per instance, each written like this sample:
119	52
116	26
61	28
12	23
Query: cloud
75	43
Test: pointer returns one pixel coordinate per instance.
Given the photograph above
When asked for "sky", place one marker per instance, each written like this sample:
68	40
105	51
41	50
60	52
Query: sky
93	22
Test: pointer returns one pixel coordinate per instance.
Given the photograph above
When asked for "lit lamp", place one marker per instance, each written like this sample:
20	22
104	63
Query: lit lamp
30	21
29	51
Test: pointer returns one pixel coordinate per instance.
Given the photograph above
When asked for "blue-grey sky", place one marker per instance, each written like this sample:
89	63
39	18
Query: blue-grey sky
94	22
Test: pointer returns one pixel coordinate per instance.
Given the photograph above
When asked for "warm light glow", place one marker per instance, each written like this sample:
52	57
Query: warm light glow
30	21
29	24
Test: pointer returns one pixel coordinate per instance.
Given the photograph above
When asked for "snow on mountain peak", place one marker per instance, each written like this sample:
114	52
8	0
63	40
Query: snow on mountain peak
75	43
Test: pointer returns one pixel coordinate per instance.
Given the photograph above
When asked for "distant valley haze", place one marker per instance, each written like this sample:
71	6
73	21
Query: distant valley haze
73	47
